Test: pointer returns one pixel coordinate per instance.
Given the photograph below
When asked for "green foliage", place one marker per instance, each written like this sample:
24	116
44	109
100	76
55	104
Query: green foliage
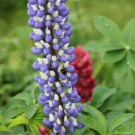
102	94
118	50
104	119
127	128
105	116
12	71
112	100
109	29
96	121
25	111
129	32
119	120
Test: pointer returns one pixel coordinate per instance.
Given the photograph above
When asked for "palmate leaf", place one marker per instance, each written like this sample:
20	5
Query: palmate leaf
109	29
102	47
129	33
119	120
102	94
97	117
114	56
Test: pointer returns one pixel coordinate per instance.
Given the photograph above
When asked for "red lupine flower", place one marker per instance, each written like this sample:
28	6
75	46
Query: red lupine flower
43	131
83	68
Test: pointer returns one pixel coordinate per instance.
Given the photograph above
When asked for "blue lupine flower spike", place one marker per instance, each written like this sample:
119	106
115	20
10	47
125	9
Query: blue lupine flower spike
49	19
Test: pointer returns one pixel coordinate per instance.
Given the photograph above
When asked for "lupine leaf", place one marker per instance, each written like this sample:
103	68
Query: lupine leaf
110	115
36	93
90	122
25	96
119	102
37	121
17	104
81	131
133	48
11	113
30	111
131	59
129	33
109	29
97	116
119	120
17	121
128	80
102	47
126	129
3	128
101	93
122	105
114	56
120	68
39	115
34	128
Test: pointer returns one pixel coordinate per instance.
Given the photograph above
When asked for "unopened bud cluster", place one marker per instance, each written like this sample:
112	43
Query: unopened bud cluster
51	31
83	67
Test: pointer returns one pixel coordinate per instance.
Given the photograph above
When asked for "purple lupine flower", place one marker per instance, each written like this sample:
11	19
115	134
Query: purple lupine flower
49	19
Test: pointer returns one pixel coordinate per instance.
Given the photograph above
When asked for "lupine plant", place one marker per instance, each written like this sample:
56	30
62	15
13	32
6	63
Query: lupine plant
52	108
49	19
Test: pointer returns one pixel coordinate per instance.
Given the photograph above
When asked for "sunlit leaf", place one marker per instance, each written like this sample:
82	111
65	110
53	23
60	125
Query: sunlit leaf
19	120
3	128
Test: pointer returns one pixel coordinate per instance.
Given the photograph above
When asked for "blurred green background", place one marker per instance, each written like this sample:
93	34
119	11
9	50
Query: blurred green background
16	73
